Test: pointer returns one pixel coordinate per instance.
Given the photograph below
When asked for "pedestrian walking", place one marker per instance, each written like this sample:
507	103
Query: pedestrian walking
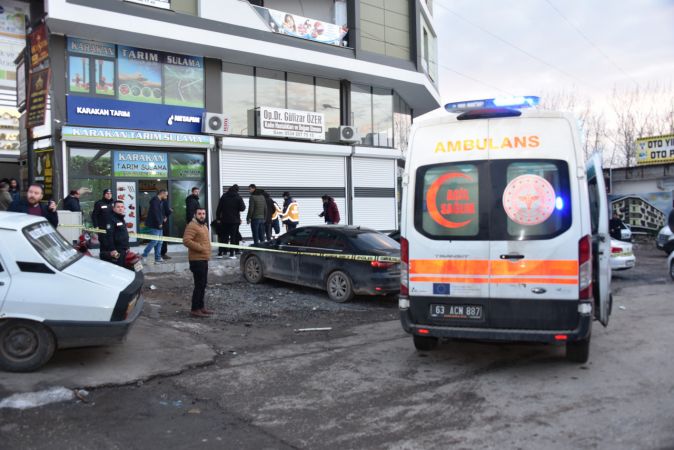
198	243
154	222
100	216
330	211
228	219
166	211
115	241
269	215
31	205
14	189
257	211
192	204
5	196
291	212
72	202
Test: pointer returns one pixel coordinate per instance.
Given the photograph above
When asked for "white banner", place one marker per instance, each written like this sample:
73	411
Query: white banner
290	123
163	4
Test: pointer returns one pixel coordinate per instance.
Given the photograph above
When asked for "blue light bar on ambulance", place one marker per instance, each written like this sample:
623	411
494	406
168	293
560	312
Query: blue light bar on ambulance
515	102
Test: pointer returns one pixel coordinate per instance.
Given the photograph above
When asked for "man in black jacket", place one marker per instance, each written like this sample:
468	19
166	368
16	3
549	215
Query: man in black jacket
31	205
115	241
72	202
166	211
192	204
100	216
154	223
228	219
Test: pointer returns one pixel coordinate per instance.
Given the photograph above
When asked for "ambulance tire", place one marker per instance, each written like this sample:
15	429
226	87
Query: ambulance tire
339	287
25	345
252	270
425	343
578	351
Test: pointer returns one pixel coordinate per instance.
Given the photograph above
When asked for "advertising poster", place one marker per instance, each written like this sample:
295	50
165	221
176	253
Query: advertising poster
655	150
12	38
39	46
78	74
38	84
105	77
125	191
184	80
188	165
134	164
43	170
139	75
303	27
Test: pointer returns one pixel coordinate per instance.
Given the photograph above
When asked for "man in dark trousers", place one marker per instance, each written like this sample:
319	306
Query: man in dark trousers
72	202
115	241
198	243
268	217
100	216
330	211
166	210
291	213
154	222
31	205
191	205
228	219
257	212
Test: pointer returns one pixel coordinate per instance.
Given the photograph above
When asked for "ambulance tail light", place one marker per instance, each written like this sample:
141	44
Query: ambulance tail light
404	267
585	268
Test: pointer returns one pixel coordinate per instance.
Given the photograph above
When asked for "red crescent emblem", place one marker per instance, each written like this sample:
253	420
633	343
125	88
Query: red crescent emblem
431	200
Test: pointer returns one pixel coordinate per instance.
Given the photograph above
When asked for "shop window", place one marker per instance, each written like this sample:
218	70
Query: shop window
382	102
270	88
402	122
91	190
300	92
89	162
238	93
327	102
361	110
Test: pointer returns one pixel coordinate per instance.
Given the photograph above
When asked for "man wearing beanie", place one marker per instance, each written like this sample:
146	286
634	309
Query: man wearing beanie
102	210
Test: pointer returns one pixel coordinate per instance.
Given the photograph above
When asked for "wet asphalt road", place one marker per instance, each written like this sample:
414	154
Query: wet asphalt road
362	385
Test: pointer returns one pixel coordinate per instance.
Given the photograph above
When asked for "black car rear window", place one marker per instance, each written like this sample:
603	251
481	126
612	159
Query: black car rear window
369	240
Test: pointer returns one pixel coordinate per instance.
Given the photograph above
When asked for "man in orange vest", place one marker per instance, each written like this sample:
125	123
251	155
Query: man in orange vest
291	212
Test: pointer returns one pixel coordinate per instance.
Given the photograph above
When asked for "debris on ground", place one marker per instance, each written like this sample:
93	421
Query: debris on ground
302	330
40	398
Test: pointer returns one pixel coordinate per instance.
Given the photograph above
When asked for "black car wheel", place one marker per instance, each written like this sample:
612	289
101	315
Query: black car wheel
24	345
578	351
339	287
425	343
671	269
252	270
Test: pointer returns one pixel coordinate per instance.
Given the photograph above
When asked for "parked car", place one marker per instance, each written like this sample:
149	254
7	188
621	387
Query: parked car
53	297
342	278
625	232
622	256
670	264
665	240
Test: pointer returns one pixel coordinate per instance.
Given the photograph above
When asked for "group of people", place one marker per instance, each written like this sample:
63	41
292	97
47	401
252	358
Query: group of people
10	200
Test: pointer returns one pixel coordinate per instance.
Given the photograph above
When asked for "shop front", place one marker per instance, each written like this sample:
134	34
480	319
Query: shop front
136	165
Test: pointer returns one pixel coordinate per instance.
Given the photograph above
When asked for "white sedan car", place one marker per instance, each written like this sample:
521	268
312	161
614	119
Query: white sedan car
622	256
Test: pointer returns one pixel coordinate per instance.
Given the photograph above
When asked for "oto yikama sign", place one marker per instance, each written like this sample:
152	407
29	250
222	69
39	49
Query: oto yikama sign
277	122
655	150
140	164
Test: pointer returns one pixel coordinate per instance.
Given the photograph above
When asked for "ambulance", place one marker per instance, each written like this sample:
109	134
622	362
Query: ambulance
504	229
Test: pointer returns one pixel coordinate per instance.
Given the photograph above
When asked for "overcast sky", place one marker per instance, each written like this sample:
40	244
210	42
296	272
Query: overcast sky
489	48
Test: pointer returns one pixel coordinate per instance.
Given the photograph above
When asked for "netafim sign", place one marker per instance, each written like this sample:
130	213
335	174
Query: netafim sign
290	123
655	150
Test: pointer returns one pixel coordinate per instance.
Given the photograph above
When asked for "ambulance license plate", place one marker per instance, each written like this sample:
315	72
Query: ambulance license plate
456	312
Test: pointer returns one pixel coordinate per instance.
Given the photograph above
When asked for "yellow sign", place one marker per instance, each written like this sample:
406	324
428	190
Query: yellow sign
655	150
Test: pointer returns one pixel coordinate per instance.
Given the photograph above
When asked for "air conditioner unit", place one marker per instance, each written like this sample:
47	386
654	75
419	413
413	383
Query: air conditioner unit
215	124
344	133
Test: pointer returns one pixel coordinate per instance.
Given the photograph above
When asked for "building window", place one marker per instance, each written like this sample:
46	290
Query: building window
238	93
270	88
429	51
301	94
372	115
402	122
328	103
361	112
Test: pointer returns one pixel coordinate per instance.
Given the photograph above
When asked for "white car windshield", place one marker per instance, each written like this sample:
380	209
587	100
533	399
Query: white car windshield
51	245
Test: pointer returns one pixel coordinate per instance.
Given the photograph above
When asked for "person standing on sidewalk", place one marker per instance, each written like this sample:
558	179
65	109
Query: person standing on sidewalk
198	243
154	222
257	211
115	241
330	211
166	211
192	204
31	205
100	216
72	202
228	219
291	212
5	197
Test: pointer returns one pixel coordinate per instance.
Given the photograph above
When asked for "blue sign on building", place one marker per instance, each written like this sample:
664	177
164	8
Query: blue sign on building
111	113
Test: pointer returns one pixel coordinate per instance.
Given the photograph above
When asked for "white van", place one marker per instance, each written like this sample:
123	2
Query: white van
504	230
52	296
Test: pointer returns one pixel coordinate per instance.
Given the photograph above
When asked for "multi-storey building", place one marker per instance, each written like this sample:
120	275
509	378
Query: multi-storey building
639	214
311	97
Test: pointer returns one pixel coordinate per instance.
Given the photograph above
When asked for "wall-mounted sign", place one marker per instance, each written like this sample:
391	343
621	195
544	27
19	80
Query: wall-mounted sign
43	171
302	27
188	165
39	46
163	4
140	164
12	38
38	83
289	123
101	112
135	137
125	191
655	150
21	85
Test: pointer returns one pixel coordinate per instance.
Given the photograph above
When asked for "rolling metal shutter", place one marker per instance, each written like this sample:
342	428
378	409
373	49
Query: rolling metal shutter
374	193
306	177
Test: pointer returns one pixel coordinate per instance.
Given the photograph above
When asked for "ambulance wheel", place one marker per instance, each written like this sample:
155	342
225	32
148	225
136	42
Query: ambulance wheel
25	345
252	270
578	351
425	343
339	287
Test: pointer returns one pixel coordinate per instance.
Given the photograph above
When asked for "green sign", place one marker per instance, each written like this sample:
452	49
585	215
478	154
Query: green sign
188	165
136	164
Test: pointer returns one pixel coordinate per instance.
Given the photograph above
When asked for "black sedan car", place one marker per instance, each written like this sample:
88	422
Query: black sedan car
342	278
